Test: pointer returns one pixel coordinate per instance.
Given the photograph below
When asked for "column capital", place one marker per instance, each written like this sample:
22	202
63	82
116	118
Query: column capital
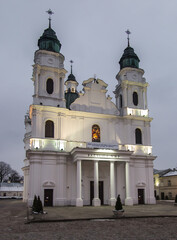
95	161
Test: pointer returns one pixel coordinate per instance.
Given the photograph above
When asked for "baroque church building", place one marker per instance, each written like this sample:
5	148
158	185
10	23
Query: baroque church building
81	148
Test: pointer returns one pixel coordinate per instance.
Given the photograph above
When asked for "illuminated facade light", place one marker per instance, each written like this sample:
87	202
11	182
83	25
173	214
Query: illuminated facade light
73	140
157	183
137	112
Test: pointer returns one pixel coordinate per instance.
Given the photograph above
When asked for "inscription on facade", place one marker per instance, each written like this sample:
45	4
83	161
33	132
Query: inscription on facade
102	145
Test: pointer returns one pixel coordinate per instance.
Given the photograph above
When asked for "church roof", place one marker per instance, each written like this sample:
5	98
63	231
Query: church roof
161	172
129	58
171	173
71	77
49	41
10	187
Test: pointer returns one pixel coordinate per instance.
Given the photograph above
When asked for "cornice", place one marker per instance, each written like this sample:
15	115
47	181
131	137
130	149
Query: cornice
46	68
146	119
49	53
133	83
126	69
67	112
143	157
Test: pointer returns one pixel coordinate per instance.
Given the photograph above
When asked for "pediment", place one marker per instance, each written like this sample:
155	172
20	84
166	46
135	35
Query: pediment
94	98
141	184
48	184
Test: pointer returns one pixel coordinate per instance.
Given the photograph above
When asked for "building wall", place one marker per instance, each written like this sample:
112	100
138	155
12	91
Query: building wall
165	188
11	190
54	163
77	127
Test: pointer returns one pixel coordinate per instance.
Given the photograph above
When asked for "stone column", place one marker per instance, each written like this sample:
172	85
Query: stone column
112	199
96	201
128	199
79	201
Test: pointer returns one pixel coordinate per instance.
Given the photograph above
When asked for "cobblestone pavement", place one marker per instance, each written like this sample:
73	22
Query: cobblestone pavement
13	217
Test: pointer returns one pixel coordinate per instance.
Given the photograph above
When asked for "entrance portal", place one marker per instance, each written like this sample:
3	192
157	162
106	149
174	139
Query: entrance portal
101	192
48	197
140	196
162	195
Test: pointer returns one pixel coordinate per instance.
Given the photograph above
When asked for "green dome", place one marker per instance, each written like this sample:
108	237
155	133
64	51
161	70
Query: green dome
71	77
129	59
49	41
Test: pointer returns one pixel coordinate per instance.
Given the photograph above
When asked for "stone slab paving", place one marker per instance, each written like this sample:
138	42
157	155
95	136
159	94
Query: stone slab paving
88	212
13	223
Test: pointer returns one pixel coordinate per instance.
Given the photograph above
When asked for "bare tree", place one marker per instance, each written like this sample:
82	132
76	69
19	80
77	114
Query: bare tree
5	170
14	176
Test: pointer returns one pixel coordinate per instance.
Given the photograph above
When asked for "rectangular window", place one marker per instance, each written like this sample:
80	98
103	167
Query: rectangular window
170	195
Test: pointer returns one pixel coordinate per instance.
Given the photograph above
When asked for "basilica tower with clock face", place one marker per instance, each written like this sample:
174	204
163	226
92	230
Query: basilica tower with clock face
48	71
131	91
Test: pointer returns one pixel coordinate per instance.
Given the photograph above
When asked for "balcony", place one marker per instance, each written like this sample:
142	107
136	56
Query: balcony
137	149
138	112
45	144
53	144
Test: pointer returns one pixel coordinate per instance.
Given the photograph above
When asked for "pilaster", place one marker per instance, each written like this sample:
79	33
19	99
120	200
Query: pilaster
61	178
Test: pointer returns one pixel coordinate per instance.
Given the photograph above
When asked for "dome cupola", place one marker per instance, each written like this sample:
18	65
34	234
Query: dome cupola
49	41
71	77
129	57
71	93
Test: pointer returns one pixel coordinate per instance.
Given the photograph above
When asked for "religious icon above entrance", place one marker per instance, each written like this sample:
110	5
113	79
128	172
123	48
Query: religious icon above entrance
95	133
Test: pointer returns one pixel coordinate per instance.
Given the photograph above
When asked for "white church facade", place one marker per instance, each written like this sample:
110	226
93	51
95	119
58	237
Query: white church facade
81	148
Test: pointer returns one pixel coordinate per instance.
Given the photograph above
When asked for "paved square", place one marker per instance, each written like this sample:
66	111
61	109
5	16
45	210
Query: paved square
13	218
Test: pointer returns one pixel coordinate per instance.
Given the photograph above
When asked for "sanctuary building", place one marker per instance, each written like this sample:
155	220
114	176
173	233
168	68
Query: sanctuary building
81	148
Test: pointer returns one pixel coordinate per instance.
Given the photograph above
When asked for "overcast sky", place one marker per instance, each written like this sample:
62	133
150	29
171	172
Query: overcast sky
92	34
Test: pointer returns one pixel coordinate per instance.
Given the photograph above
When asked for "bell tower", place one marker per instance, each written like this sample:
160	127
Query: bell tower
131	90
71	93
48	70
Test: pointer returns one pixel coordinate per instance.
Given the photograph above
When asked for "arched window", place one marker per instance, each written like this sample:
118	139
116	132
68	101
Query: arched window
49	86
95	133
135	98
120	101
138	136
49	129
